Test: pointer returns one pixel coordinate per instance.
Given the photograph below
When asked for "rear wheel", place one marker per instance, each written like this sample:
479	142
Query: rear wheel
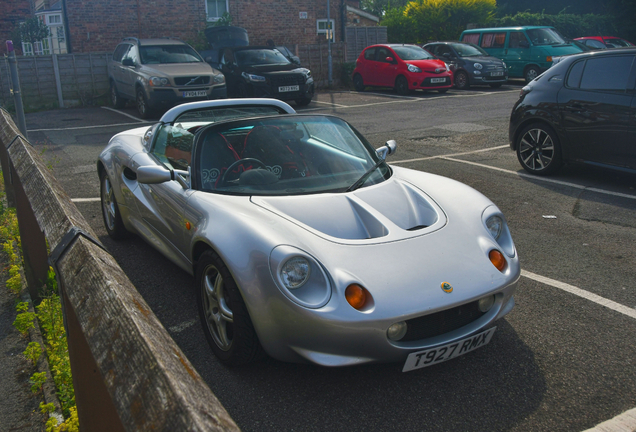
358	82
142	104
539	150
402	86
115	98
226	322
461	80
110	211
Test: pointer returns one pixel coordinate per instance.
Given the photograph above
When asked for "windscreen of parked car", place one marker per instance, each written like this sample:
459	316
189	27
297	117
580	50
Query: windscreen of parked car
167	54
412	53
545	36
469	50
617	43
253	57
284	155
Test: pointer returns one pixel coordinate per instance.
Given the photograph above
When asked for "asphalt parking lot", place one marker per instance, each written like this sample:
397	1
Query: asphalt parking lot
563	360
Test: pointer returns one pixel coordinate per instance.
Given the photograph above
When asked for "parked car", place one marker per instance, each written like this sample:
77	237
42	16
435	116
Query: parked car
602	42
288	54
470	64
260	71
304	243
159	73
583	109
527	51
403	67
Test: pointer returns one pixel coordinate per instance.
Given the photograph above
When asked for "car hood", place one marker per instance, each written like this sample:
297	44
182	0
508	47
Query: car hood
483	59
427	64
183	69
560	50
265	69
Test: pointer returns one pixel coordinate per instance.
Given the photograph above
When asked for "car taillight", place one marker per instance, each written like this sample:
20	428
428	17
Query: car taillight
524	91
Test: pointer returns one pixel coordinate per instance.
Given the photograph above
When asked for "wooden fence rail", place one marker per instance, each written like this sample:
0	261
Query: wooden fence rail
127	371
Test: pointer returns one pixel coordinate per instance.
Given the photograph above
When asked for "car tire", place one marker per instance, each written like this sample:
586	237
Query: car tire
402	86
495	85
115	98
303	101
110	210
358	83
461	80
143	109
226	322
531	73
539	149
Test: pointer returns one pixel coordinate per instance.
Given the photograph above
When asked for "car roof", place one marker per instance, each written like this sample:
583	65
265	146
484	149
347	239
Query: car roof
155	41
603	53
505	28
393	45
250	47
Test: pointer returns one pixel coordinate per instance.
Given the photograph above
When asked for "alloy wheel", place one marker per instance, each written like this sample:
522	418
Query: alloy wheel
108	204
218	315
536	149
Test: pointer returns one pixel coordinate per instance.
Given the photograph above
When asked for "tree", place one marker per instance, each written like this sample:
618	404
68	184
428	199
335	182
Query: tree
30	31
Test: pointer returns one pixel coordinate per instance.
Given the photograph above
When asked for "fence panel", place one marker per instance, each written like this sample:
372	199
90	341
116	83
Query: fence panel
358	38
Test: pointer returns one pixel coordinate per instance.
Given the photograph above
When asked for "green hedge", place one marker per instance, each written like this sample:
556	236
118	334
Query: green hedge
569	25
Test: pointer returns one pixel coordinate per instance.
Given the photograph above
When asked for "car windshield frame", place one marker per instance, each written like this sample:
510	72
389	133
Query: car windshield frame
260	57
168	54
458	47
545	36
412	52
315	153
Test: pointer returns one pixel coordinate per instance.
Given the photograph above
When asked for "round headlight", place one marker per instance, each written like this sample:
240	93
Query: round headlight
218	79
159	81
495	226
478	66
397	331
485	304
295	272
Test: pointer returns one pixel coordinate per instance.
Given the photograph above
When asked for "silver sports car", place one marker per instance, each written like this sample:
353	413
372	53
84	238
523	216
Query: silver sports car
305	244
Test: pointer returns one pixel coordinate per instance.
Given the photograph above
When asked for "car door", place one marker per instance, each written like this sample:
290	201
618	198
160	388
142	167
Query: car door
128	74
385	71
117	70
597	109
368	66
516	53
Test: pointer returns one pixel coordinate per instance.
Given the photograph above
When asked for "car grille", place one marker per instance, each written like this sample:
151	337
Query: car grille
192	80
441	322
285	80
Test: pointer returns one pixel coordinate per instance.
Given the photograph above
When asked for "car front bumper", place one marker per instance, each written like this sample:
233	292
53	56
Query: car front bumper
174	96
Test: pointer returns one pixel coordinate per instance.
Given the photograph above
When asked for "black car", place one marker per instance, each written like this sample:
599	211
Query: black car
254	71
471	65
583	109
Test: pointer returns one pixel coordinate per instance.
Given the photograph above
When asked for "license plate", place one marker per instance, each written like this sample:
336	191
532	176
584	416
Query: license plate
282	89
496	73
437	80
195	93
429	357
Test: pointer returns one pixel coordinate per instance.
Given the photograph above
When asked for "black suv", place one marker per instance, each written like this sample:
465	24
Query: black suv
582	109
160	73
255	71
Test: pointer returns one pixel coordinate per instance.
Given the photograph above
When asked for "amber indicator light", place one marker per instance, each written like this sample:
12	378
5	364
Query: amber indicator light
188	226
356	296
497	259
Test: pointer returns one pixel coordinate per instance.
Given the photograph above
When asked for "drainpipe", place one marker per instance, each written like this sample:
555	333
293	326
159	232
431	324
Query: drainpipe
17	96
329	34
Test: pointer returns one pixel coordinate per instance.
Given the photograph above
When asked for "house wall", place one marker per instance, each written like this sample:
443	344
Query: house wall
11	13
99	25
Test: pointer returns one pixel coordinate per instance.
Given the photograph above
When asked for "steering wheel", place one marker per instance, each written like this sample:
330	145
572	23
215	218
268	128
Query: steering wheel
237	163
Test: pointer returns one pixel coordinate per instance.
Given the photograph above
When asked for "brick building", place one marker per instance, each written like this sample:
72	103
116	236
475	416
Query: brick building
13	12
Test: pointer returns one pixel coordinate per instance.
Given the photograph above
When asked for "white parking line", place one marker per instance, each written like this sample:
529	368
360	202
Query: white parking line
84	127
625	422
181	327
617	307
80	200
123	113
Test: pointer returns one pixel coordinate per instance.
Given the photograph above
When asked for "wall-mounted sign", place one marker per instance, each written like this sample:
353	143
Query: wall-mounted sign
302	15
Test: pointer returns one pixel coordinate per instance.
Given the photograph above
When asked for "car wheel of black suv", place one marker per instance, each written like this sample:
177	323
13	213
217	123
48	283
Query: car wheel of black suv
115	98
226	323
539	150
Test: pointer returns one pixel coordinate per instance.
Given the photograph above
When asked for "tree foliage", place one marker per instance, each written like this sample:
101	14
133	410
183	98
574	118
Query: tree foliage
31	30
421	21
570	25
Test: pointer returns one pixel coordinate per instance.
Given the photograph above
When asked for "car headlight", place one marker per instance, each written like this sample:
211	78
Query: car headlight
504	65
253	78
159	82
300	277
219	79
413	68
494	225
478	66
295	272
498	229
397	331
303	71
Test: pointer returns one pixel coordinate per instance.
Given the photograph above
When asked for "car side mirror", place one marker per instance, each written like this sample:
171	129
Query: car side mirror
128	62
389	60
388	149
153	174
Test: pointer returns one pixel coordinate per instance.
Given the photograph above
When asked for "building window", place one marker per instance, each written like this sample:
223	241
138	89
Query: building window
215	9
27	48
323	28
54	19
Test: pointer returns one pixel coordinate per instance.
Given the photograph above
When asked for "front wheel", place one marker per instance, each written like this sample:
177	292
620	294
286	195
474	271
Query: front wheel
461	80
539	150
110	210
142	104
226	322
402	86
531	73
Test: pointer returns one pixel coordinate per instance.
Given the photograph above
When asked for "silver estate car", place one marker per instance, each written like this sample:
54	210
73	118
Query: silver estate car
305	244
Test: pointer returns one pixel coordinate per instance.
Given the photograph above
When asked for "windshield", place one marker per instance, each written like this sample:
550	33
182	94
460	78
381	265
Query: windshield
469	50
412	53
166	54
284	155
616	43
545	36
252	57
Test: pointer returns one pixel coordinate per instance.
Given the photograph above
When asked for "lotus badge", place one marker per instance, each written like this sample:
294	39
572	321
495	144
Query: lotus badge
446	287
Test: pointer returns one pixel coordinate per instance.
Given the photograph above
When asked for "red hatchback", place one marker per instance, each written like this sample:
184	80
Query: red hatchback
403	67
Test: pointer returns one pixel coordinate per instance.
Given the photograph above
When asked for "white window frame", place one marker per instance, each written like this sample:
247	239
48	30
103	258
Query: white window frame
214	19
50	21
323	30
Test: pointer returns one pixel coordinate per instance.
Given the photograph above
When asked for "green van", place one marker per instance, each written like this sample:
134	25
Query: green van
527	51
